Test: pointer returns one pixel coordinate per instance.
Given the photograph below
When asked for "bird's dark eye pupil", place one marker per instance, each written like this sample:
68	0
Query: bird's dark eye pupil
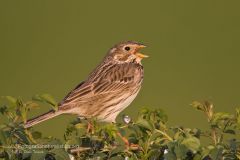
127	48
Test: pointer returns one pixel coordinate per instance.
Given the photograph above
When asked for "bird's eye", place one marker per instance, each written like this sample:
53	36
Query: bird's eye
127	48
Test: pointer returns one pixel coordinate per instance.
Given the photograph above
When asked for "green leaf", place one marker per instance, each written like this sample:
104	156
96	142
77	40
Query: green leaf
230	131
36	134
197	105
32	105
122	131
10	108
181	151
145	124
221	116
23	113
100	155
117	150
238	155
37	98
46	98
21	136
205	151
11	99
3	139
192	143
38	155
49	99
132	138
117	158
197	157
144	110
170	156
3	109
154	154
80	125
234	144
60	154
216	153
238	117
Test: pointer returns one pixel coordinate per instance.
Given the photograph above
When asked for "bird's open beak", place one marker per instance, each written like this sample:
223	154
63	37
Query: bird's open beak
140	55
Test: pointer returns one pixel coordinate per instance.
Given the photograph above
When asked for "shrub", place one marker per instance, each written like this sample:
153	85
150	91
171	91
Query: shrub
148	136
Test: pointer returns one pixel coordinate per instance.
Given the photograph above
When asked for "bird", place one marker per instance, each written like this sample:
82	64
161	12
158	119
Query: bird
109	88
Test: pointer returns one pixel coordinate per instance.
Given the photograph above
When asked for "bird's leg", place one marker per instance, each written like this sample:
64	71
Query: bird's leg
90	127
127	144
124	139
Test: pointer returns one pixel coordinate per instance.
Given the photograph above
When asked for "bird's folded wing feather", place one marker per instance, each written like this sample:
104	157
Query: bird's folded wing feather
118	79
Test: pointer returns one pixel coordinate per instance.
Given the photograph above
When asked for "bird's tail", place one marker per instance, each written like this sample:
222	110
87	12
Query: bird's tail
42	118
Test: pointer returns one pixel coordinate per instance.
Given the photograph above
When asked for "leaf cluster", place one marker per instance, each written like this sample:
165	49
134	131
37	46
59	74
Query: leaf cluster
148	137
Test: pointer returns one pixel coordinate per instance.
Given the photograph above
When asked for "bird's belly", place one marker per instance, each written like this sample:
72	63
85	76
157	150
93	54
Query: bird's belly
105	113
112	112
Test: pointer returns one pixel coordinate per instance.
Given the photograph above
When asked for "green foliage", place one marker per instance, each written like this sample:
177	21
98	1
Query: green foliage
147	137
46	98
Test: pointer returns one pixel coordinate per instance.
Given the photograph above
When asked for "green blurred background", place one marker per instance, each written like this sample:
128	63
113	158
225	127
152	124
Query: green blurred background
51	46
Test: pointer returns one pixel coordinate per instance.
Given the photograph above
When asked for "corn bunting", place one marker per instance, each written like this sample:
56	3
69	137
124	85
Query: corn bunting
108	90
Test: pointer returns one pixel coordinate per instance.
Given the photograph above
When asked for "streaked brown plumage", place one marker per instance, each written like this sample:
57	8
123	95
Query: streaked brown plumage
109	89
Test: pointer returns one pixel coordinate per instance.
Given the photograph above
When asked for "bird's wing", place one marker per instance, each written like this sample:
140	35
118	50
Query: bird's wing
115	81
120	77
79	86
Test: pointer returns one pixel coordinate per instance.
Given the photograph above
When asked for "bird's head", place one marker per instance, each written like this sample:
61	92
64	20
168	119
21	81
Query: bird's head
126	52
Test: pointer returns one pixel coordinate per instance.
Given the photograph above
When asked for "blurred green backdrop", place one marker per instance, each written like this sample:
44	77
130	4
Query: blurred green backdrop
51	46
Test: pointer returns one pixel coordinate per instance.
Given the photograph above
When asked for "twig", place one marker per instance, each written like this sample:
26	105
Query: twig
164	134
214	137
79	149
